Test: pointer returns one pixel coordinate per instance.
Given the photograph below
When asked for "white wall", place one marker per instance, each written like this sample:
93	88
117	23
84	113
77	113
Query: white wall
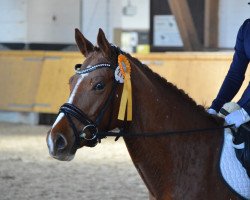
30	21
232	14
13	20
52	21
105	14
142	17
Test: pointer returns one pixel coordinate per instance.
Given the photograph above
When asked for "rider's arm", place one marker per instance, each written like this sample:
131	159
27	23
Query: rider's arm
236	73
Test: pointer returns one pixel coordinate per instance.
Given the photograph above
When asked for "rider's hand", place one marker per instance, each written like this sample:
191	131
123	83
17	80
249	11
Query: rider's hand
237	117
211	111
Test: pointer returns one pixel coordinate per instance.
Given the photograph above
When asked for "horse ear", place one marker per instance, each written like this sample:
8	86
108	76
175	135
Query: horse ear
103	43
83	44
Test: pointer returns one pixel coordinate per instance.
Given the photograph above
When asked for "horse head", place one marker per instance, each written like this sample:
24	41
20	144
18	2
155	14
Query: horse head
93	101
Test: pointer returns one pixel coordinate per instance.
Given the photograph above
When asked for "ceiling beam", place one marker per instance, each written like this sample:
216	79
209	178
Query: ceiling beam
181	11
211	23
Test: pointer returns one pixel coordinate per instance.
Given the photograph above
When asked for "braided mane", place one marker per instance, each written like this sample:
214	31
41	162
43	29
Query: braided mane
150	73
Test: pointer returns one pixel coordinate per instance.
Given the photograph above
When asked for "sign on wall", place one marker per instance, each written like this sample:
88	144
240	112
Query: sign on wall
166	32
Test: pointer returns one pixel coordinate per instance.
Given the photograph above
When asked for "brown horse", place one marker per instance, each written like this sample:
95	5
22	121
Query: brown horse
177	166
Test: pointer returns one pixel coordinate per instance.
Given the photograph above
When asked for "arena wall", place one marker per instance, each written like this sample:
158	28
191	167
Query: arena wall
37	81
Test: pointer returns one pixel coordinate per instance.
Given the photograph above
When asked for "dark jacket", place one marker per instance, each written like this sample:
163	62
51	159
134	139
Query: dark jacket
236	73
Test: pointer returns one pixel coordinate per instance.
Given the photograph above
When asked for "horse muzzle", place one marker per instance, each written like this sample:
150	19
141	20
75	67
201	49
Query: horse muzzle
59	147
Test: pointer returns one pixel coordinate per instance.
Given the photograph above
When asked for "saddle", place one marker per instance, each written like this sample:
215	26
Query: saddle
241	137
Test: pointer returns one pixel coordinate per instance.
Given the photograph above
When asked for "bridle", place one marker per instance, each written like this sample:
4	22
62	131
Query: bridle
70	110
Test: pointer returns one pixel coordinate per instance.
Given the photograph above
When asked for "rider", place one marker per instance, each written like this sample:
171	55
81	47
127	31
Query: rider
234	80
229	89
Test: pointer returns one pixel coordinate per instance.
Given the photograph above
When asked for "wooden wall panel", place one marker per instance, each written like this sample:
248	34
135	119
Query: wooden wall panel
38	81
20	74
53	88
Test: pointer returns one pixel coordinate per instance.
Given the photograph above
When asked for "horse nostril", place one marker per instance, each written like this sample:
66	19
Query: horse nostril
61	142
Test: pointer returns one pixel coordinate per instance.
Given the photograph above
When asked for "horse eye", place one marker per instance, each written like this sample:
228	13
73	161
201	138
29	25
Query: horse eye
99	86
78	67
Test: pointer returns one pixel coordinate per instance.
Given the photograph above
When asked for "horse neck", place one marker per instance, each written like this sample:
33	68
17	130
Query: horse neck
158	108
158	105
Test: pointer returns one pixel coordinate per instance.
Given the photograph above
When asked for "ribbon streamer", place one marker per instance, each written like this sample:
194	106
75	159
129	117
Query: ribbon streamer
126	98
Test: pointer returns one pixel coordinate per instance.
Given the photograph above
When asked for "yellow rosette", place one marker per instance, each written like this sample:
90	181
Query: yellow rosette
126	99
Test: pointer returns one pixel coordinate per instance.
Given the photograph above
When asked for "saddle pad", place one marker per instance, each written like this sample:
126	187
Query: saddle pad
231	169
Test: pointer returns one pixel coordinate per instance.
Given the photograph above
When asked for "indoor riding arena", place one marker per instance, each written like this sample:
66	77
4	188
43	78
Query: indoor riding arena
47	116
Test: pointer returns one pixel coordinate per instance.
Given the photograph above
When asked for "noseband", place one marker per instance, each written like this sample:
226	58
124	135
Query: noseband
89	126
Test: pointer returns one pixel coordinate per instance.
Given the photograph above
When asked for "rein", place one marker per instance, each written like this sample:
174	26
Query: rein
158	134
